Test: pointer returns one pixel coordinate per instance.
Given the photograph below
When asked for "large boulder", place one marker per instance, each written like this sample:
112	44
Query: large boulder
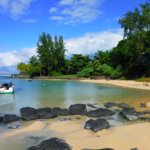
7	118
129	113
101	112
45	113
77	109
96	125
52	144
60	112
28	113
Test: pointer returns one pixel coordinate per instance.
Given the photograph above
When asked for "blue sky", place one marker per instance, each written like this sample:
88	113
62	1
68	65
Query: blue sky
86	25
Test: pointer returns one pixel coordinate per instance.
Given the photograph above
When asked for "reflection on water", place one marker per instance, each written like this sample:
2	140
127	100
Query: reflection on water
40	93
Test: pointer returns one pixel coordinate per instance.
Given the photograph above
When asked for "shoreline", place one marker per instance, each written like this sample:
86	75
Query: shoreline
121	83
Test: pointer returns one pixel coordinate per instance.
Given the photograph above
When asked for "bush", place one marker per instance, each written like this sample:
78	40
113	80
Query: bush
116	73
105	69
86	72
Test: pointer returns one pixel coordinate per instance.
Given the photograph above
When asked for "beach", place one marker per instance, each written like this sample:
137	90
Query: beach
122	83
122	137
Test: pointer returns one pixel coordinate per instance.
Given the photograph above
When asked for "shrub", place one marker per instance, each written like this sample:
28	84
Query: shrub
86	72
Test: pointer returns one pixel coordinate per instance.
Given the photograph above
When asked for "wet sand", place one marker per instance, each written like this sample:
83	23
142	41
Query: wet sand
122	83
123	137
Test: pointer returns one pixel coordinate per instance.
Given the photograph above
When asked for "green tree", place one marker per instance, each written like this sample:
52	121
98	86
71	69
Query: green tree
77	63
23	68
51	54
136	21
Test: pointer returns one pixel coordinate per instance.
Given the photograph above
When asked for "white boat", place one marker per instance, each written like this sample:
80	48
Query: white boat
7	88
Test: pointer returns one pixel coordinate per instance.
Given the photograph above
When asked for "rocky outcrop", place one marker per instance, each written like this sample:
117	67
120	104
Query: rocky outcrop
7	118
28	113
52	144
45	113
77	109
101	112
96	125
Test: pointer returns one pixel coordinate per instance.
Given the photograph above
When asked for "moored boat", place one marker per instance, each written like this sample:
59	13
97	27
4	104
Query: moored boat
7	88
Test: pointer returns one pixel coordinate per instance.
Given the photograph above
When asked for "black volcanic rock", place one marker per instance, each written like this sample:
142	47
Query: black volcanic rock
60	112
96	125
129	113
77	109
45	113
1	118
7	118
52	144
110	104
101	112
28	113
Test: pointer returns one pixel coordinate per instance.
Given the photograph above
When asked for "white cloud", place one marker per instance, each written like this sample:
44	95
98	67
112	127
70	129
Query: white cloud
15	8
57	18
77	11
91	42
53	9
86	44
12	58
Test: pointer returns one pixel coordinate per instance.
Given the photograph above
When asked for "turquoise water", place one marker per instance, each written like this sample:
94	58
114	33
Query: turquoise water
39	93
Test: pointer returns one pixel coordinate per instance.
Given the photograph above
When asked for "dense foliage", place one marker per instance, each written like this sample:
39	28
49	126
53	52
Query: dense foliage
130	58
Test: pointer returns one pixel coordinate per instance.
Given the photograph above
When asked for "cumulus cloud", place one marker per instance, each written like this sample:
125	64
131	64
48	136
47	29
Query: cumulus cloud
12	58
86	44
15	8
74	12
91	42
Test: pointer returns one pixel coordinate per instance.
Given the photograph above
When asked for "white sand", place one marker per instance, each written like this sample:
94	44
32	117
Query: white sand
123	83
122	137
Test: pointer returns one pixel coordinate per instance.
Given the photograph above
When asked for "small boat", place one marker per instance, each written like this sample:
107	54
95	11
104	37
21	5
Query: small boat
7	88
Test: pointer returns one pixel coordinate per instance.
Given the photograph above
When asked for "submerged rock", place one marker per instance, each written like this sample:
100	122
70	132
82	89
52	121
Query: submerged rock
45	113
122	105
7	118
101	112
129	113
28	113
110	104
96	125
52	144
77	109
60	112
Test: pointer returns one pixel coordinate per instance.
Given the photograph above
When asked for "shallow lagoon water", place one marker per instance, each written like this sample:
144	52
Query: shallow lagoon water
40	93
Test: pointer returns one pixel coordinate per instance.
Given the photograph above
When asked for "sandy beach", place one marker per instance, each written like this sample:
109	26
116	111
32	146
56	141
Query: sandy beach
123	137
122	83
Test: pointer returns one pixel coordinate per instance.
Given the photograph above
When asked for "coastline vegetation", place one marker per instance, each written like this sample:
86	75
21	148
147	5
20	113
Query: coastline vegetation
130	59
